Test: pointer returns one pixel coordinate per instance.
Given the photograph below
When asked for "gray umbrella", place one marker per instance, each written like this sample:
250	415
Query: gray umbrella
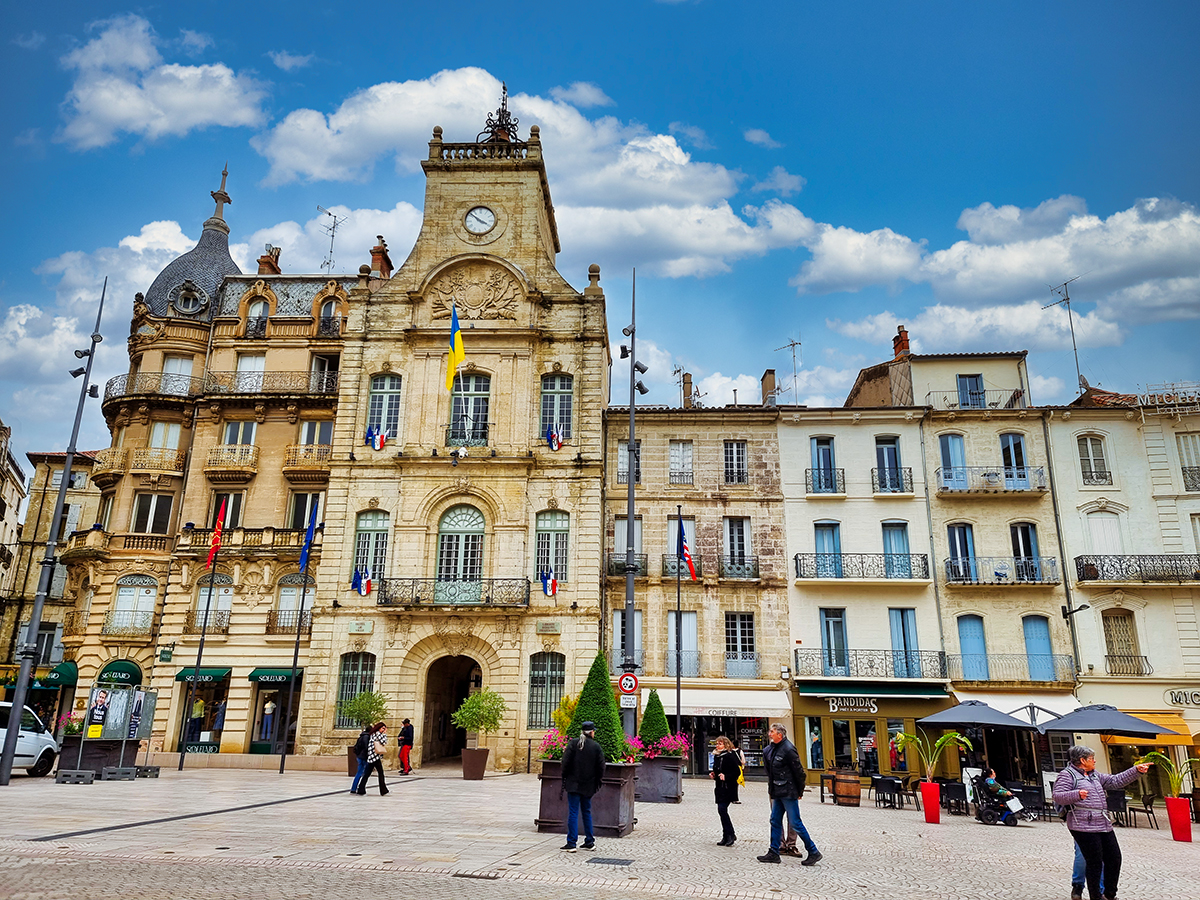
1104	719
974	713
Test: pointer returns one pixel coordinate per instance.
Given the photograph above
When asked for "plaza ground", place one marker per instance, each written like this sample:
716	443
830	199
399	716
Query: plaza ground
231	834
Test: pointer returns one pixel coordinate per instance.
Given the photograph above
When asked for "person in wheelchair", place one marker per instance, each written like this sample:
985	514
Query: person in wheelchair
996	803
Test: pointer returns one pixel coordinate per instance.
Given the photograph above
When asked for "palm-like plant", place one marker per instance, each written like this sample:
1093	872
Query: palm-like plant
1174	773
930	750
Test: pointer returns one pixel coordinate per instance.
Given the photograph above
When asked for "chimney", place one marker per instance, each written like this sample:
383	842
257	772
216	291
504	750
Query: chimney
900	342
268	263
687	390
381	263
768	388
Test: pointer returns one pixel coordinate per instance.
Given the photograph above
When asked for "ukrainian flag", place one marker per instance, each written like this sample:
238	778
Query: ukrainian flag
456	349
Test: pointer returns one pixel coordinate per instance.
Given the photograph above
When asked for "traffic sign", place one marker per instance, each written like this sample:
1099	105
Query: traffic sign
628	683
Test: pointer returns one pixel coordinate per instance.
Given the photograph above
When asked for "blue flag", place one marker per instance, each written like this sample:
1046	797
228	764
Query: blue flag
356	582
308	537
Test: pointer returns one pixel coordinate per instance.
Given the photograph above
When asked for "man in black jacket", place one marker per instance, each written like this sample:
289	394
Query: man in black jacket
582	770
785	786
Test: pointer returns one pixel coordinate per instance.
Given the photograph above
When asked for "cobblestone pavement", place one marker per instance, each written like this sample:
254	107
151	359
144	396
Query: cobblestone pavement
231	834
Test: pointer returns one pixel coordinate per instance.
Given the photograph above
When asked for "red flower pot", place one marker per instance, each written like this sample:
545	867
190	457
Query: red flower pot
1179	814
931	797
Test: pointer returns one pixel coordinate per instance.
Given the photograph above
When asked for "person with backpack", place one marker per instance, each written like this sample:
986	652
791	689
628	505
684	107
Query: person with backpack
376	747
360	753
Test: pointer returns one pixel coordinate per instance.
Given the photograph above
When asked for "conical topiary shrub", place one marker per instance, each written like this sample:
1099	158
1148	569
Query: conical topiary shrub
598	704
654	721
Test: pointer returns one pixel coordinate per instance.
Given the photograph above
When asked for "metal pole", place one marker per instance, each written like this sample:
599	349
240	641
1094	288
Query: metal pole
678	624
629	716
187	709
287	716
28	650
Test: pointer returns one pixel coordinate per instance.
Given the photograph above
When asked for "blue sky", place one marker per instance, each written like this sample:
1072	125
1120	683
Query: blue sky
774	171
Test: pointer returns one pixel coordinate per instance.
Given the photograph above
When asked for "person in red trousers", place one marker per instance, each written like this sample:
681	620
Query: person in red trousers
406	743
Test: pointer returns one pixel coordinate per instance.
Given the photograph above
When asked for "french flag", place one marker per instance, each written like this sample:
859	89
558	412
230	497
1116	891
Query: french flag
364	584
549	583
553	437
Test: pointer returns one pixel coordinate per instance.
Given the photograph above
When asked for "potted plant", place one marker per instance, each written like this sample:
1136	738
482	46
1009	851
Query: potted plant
482	712
1178	813
363	709
612	807
660	779
930	752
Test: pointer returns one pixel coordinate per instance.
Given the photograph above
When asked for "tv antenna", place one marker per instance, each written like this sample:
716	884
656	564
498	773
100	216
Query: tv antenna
678	372
331	230
1063	292
795	376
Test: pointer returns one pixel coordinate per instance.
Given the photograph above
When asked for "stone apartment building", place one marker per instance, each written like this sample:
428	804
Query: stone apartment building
12	493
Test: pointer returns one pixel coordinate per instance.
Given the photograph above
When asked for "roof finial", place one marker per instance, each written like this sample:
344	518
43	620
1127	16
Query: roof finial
220	196
501	125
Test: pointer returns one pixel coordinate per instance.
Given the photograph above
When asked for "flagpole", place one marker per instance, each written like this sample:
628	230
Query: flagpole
679	623
287	715
187	709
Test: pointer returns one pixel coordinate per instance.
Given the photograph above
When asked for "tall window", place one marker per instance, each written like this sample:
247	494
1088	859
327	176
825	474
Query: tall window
962	565
954	462
827	541
460	545
1092	466
250	370
973	645
357	674
890	479
133	607
689	648
1012	454
623	462
68	523
323	373
741	660
672	564
556	404
164	435
970	392
318	432
370	543
735	463
301	510
240	432
906	648
738	561
621	545
1025	551
618	639
680	458
897	563
151	513
219	605
834	652
553	533
256	319
824	466
1121	644
106	508
1038	651
1189	460
547	682
383	405
469	410
233	509
177	375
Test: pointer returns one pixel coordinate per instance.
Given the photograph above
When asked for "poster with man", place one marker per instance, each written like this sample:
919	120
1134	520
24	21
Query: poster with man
135	714
97	713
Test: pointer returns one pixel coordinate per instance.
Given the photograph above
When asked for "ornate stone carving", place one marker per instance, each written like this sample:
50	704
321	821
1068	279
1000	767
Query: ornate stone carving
359	644
463	483
1102	503
260	413
454	632
143	414
293	413
548	645
214	412
386	367
557	367
479	290
552	503
1118	598
399	631
373	503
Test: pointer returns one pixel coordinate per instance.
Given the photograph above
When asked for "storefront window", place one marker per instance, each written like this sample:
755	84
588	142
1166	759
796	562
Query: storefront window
206	715
815	756
897	760
843	749
868	753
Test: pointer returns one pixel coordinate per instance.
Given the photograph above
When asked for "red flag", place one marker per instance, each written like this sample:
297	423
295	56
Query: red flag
216	538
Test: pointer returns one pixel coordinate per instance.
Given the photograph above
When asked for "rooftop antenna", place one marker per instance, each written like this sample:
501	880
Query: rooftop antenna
331	230
1063	292
795	377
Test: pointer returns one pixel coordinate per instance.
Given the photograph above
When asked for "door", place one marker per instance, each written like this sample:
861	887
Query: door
1037	648
324	373
827	536
973	646
887	462
1012	455
970	392
1025	552
177	375
897	563
689	645
954	462
824	466
460	556
962	565
906	658
834	651
250	369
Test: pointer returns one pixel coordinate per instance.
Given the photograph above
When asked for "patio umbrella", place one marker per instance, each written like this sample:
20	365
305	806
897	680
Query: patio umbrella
974	713
1104	719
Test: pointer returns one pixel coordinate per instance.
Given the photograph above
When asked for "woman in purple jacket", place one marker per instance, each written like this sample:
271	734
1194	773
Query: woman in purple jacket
1081	788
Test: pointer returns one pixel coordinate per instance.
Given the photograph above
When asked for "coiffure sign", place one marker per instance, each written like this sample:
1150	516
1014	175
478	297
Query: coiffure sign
1182	698
853	705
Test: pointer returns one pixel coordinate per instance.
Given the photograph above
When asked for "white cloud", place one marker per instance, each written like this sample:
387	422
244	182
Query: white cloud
760	137
988	224
781	182
1047	389
194	42
847	260
583	94
290	61
695	135
31	41
122	85
719	389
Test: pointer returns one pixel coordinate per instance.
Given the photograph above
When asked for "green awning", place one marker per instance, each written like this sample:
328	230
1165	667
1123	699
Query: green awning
274	676
121	671
841	689
206	675
65	674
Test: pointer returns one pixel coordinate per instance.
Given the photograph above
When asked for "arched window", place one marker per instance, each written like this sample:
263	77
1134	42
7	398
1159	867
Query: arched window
460	556
214	592
292	595
1092	464
556	404
357	674
133	608
553	534
370	543
256	318
329	323
547	680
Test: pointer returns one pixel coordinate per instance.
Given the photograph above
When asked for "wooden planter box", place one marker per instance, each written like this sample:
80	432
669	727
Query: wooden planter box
612	807
660	780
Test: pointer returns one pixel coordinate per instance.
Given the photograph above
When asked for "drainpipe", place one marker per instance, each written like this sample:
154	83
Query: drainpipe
1062	549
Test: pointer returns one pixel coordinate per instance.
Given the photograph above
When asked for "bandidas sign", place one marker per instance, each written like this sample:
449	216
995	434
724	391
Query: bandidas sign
853	704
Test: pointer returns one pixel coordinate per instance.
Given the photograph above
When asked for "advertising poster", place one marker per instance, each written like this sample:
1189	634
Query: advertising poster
97	713
135	714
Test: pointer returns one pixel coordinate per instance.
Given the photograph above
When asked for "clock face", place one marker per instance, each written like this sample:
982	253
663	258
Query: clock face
480	220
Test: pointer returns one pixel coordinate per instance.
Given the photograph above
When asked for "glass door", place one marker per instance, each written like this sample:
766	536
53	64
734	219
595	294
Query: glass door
1012	454
954	462
834	652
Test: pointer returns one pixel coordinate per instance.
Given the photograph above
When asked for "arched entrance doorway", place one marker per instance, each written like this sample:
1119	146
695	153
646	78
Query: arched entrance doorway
446	687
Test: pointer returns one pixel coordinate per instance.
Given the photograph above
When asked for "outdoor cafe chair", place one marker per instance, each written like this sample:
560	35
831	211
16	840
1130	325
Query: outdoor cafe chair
887	792
954	793
1146	809
1117	806
874	784
911	787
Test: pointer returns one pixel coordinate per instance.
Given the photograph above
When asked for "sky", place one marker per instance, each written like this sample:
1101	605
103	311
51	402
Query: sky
775	173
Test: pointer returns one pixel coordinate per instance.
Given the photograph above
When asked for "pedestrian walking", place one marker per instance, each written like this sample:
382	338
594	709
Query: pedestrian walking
1079	876
361	748
376	747
785	787
406	745
582	771
726	768
1083	790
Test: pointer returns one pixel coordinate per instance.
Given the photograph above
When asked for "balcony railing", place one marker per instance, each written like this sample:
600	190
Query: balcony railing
218	621
1003	570
825	481
1010	667
737	476
200	539
673	565
283	621
990	479
1127	665
1191	478
139	542
616	656
616	564
127	623
738	566
689	663
459	152
271	383
76	622
741	664
681	477
1095	477
109	465
256	328
1008	398
623	476
811	662
162	383
892	481
231	463
307	463
862	565
467	435
329	326
156	459
1173	567
492	592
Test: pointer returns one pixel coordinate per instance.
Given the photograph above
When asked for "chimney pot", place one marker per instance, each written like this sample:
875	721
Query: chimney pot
900	342
768	388
380	261
268	263
687	390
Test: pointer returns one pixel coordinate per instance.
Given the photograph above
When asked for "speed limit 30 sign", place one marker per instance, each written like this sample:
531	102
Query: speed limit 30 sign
628	683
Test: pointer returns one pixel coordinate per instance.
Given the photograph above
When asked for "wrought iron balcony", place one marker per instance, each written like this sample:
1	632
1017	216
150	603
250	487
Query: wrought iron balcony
1128	665
1191	478
1003	570
892	481
75	622
1163	567
623	476
616	657
616	564
231	463
162	383
812	662
486	592
673	565
738	566
1008	398
109	466
467	435
6	555
689	663
157	459
256	328
218	620
741	664
1010	667
862	565
681	477
990	479
283	621
1095	477
735	475
329	327
825	481
271	383
127	623
307	463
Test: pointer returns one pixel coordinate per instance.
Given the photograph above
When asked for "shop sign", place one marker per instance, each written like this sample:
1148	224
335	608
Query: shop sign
853	705
1182	698
725	713
202	747
273	679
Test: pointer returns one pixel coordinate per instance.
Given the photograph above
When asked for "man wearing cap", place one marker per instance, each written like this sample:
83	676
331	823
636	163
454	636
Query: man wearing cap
582	770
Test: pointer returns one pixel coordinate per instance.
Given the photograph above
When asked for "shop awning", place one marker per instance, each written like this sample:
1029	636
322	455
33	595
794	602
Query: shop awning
718	702
1171	721
1017	705
65	674
205	675
276	675
895	691
121	671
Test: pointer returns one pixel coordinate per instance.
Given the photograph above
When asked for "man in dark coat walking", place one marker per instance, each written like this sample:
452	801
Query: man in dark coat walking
785	786
582	770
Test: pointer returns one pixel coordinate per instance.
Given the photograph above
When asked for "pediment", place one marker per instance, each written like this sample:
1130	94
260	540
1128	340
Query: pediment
478	288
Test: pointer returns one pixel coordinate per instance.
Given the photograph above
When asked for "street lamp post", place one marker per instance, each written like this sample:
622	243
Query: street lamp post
27	651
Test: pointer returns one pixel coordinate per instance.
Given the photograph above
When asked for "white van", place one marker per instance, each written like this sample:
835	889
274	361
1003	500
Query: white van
36	747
